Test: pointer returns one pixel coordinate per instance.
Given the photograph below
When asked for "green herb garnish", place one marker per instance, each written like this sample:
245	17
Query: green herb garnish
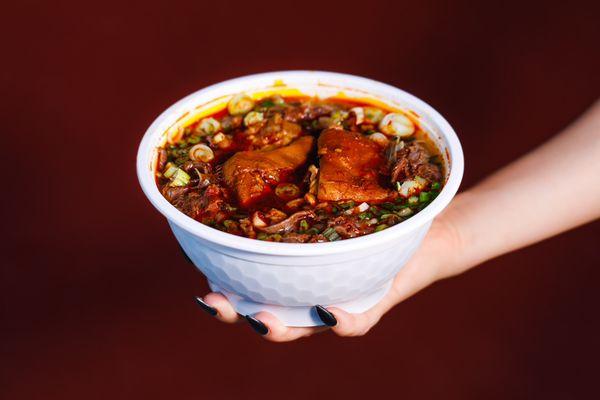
331	234
380	227
304	225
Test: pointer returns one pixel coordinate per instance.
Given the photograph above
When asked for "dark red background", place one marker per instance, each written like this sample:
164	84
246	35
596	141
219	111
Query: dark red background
96	299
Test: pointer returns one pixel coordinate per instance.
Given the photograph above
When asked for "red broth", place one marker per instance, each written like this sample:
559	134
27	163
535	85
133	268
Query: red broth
301	169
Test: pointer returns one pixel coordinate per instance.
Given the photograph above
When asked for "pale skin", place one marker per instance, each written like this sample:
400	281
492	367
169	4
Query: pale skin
482	223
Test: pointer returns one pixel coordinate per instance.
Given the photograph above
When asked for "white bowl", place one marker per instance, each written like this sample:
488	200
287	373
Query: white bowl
287	279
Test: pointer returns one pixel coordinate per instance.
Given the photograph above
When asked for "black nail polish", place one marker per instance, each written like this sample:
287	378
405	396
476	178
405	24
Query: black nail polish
258	326
327	317
185	255
210	310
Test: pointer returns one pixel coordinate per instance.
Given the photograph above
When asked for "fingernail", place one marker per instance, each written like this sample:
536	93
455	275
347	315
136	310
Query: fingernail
209	309
327	317
187	258
258	326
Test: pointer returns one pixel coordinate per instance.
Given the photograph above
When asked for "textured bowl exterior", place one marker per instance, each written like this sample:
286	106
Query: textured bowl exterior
328	279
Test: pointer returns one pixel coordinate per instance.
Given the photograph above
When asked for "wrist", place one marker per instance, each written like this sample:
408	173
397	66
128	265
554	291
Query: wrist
451	230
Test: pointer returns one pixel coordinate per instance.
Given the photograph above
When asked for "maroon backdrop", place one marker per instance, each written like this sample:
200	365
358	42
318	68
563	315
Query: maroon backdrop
96	299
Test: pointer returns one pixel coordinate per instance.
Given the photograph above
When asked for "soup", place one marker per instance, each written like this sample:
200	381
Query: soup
300	169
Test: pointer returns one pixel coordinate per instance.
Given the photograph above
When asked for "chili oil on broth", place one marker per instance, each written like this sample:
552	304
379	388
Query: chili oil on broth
189	171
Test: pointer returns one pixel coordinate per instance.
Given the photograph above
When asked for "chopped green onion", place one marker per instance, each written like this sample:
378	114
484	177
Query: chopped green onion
388	206
384	216
193	140
229	224
208	126
346	205
201	152
262	236
380	227
423	197
421	182
170	170
375	210
331	234
405	212
365	215
395	124
338	116
277	99
207	221
373	115
287	191
413	200
253	117
328	231
304	224
180	178
240	104
435	185
267	103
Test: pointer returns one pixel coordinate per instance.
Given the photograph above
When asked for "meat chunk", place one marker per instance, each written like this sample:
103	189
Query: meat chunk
413	160
350	166
349	226
272	133
251	174
207	206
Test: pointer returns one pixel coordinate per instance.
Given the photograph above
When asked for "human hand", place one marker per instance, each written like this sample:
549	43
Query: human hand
434	260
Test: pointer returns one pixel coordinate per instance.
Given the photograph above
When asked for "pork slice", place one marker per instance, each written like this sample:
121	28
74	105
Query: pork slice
251	174
349	168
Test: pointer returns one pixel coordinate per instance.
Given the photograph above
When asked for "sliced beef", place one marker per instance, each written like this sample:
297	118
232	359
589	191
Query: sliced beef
192	204
413	160
314	111
274	132
173	194
207	206
350	226
251	174
186	200
214	207
349	168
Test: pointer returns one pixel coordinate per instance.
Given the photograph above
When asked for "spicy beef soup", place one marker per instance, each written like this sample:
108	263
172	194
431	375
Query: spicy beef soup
300	170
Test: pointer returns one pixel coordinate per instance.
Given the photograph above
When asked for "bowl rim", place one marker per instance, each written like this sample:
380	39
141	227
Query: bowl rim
147	180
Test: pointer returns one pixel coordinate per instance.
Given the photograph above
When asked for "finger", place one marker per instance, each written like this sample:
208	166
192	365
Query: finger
278	332
352	324
225	311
